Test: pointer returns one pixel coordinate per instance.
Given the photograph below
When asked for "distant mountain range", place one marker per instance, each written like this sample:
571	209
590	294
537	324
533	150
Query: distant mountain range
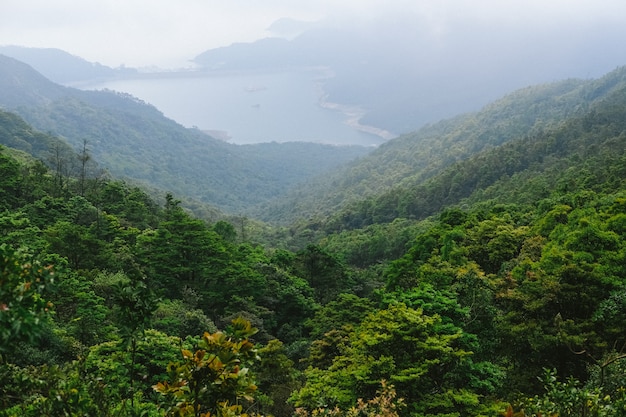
405	74
399	69
62	67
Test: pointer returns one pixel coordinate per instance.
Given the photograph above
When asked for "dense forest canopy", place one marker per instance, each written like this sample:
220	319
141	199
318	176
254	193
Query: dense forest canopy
493	284
410	160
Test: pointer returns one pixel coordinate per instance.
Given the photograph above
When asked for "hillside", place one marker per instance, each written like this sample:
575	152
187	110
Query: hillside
508	296
17	134
132	139
410	160
62	67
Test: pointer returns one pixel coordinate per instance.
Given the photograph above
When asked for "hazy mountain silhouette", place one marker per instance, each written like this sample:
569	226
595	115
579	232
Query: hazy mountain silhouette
406	73
62	67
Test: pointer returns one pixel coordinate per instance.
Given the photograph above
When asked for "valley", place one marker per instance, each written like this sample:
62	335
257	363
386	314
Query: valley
473	267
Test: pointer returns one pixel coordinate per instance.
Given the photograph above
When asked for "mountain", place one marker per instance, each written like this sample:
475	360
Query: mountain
405	72
411	160
17	134
62	67
569	162
23	86
499	237
508	259
132	139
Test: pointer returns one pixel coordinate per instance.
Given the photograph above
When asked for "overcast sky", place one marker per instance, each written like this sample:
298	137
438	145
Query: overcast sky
166	33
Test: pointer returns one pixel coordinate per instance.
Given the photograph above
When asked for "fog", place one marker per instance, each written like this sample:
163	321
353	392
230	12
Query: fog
162	32
408	68
405	63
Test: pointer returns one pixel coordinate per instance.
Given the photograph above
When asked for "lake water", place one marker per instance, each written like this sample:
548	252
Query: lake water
242	108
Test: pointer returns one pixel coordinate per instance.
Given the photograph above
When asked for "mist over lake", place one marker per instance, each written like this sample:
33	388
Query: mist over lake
249	107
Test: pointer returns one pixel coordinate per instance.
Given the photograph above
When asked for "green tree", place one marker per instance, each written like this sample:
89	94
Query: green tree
226	230
572	399
494	241
75	242
215	379
177	318
347	309
53	390
181	251
110	362
82	313
325	273
554	296
18	230
277	379
409	349
24	282
135	305
10	181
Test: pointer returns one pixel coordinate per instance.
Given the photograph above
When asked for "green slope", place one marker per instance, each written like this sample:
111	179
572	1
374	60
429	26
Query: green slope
580	160
412	159
132	139
16	133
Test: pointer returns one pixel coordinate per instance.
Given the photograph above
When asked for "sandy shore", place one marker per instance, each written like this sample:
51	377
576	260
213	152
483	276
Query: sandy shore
353	113
353	118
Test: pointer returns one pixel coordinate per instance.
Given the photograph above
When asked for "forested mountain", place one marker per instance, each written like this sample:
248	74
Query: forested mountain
132	139
408	162
502	293
490	281
17	134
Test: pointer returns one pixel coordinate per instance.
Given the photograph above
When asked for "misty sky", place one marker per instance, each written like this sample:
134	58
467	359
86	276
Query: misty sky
167	33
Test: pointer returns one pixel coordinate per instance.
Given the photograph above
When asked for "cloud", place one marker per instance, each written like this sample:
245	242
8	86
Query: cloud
134	32
164	32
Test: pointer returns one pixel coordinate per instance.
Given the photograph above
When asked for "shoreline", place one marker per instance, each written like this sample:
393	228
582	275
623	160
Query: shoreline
353	114
353	118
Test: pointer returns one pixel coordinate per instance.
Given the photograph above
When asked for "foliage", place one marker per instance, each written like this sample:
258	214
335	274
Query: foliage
326	275
276	378
111	363
519	268
215	378
176	318
55	391
401	345
384	404
24	281
345	310
571	399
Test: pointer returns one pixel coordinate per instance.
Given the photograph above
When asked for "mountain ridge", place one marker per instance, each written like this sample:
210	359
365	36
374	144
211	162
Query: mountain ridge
404	73
412	159
132	139
62	67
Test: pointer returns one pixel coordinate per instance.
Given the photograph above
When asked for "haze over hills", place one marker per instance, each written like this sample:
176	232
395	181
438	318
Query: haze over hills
132	139
405	72
410	161
62	67
278	197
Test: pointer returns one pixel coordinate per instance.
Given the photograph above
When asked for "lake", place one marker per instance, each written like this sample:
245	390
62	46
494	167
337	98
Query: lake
251	107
